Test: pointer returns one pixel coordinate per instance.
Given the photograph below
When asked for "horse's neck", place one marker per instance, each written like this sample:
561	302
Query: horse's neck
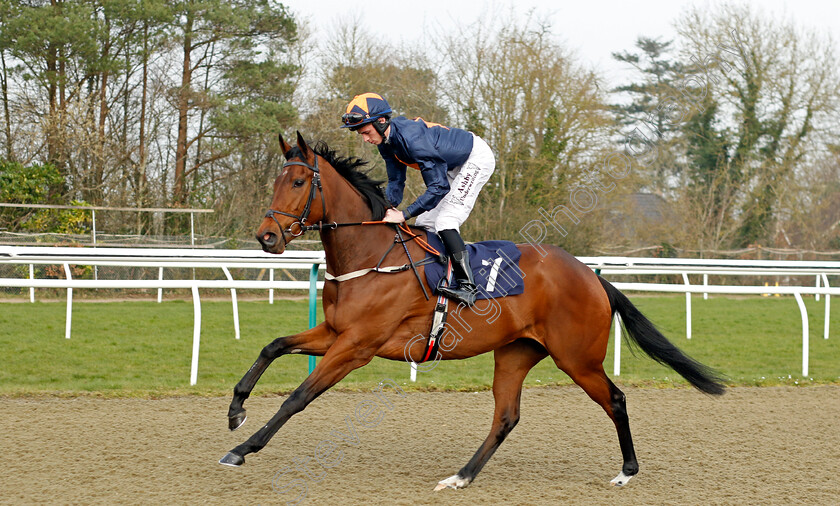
349	249
352	248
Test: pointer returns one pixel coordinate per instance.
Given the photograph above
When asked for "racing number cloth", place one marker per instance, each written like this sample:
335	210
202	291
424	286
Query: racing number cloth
495	266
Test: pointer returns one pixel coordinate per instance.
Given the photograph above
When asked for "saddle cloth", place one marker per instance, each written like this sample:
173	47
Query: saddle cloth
495	266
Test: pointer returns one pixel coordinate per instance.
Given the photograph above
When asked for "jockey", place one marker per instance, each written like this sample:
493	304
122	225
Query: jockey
455	164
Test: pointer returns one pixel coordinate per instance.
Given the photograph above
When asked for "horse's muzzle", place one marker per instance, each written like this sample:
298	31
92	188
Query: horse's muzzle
271	242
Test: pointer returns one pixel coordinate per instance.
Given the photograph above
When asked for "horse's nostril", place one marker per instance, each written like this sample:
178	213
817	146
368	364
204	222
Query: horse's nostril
267	239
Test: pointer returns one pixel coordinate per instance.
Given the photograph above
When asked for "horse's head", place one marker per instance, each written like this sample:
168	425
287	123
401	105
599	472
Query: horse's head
298	198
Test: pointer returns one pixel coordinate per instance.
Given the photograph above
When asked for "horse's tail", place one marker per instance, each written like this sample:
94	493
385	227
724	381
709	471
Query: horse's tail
651	341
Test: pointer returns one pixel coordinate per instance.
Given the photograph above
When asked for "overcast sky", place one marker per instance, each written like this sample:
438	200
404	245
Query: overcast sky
594	29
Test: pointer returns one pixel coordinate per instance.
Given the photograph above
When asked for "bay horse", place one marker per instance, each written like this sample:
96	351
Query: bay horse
564	313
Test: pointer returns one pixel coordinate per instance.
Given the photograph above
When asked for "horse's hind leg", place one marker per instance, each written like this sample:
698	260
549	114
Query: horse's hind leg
513	362
597	385
315	341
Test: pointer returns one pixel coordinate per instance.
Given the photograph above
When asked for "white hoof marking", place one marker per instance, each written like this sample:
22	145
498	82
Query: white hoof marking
620	480
453	481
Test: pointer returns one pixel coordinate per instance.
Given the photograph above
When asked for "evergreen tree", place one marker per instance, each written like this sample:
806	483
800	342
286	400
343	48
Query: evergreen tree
218	39
653	102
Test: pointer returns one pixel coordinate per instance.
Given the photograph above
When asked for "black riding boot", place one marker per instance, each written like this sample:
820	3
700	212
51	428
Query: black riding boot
459	256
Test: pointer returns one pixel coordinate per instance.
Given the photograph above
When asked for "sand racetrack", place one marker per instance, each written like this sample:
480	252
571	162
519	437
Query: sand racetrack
773	445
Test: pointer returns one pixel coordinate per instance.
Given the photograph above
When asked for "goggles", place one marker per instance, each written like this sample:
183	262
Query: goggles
353	118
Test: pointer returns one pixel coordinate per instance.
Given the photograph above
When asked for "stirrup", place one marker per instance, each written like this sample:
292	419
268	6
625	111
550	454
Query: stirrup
460	294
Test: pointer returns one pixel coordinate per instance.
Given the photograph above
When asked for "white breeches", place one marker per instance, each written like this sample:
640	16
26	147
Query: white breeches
464	184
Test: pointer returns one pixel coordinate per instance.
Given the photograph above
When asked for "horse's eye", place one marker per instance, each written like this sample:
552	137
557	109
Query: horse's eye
298	183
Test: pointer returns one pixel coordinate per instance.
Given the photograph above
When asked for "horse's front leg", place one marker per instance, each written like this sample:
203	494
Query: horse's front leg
345	355
315	341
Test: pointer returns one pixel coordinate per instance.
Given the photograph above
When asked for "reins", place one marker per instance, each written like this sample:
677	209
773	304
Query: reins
332	226
302	227
419	240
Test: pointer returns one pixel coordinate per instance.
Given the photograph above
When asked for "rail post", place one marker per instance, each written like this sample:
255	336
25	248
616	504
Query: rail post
617	345
687	307
93	238
313	298
32	288
196	335
805	333
827	306
271	290
234	302
160	290
69	319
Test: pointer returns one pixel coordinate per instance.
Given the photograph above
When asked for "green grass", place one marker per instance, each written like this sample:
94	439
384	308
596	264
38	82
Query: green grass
144	348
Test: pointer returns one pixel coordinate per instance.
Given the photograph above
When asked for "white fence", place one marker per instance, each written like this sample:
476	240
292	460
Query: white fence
616	266
314	260
165	259
93	209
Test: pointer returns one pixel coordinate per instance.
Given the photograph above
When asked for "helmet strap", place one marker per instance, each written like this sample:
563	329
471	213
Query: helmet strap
380	127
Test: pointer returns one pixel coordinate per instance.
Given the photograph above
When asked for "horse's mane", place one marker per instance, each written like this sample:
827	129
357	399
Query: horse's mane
348	167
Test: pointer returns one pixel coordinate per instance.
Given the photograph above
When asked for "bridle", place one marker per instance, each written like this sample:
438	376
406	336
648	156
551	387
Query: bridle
314	184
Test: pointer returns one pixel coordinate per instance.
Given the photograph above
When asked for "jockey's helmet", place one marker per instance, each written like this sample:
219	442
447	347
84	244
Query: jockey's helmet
366	108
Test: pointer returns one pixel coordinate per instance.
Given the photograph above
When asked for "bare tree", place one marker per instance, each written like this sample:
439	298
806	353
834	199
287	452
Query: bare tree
542	113
352	62
775	91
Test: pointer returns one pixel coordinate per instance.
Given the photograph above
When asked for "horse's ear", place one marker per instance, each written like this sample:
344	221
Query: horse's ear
283	144
304	148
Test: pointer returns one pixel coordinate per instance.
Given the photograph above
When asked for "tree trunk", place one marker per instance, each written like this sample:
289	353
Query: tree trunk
141	184
99	160
52	93
10	154
180	189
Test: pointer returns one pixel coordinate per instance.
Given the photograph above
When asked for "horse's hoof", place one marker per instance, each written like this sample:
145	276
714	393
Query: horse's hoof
232	459
620	480
455	482
237	420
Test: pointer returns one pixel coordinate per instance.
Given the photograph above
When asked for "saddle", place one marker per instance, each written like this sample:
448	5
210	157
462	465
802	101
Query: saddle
495	266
